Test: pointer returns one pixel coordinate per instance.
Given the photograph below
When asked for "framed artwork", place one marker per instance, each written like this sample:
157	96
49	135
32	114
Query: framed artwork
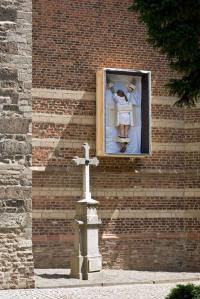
123	112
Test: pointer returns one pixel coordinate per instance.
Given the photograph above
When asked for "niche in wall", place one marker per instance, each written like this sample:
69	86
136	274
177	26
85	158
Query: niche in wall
123	112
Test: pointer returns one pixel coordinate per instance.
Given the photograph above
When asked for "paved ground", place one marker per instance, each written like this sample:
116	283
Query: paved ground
137	291
61	278
134	285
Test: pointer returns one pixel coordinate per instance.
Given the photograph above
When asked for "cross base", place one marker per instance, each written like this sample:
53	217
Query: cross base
86	261
91	266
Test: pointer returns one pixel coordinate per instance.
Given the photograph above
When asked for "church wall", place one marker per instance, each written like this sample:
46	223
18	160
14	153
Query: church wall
149	206
16	258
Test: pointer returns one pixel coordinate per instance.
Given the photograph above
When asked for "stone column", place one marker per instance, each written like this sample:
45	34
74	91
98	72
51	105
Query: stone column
16	259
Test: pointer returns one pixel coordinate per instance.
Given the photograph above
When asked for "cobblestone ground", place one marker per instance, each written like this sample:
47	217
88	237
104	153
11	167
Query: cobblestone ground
136	291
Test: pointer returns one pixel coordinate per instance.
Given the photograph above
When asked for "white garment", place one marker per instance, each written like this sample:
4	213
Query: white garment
124	118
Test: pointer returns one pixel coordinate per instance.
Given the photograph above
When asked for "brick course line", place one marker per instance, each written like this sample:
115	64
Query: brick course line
148	171
147	235
63	119
64	143
121	236
86	95
176	124
90	120
63	94
110	192
192	125
56	142
116	214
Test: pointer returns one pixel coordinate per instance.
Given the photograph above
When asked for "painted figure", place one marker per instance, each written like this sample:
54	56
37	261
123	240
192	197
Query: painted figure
124	113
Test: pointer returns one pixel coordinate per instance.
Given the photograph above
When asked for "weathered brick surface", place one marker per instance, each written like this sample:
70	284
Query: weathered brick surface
135	243
16	258
57	251
71	40
167	112
71	131
127	251
62	107
152	225
77	45
51	226
121	203
159	160
192	115
192	135
88	132
135	252
116	179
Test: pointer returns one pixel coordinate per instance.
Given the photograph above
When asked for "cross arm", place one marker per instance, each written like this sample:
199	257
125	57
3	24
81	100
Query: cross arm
79	161
94	161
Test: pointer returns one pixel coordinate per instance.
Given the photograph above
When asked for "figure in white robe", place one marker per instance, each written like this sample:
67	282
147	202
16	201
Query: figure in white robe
133	119
124	115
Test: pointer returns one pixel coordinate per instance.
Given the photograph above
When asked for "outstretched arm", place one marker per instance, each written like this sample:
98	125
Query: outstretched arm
111	87
131	98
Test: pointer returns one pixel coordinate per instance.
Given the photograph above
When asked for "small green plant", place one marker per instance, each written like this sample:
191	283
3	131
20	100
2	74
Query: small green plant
189	291
197	292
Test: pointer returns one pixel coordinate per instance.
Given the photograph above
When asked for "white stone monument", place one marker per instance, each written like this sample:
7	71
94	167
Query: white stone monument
86	262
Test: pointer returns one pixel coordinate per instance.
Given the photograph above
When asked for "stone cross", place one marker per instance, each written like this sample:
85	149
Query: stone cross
86	161
86	262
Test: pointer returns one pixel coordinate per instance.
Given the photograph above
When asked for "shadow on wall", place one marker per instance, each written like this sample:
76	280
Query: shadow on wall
62	136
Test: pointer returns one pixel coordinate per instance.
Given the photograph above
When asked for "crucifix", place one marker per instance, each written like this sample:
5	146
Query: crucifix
86	260
86	161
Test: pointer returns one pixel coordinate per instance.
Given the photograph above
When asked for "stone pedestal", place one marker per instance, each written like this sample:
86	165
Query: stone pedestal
86	261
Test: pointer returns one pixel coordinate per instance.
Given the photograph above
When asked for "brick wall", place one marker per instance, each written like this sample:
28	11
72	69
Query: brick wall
16	259
149	206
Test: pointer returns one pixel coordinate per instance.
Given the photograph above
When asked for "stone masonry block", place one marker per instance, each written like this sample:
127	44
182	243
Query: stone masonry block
7	26
12	206
8	148
7	14
10	93
8	74
5	100
12	107
15	192
14	220
14	125
8	47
